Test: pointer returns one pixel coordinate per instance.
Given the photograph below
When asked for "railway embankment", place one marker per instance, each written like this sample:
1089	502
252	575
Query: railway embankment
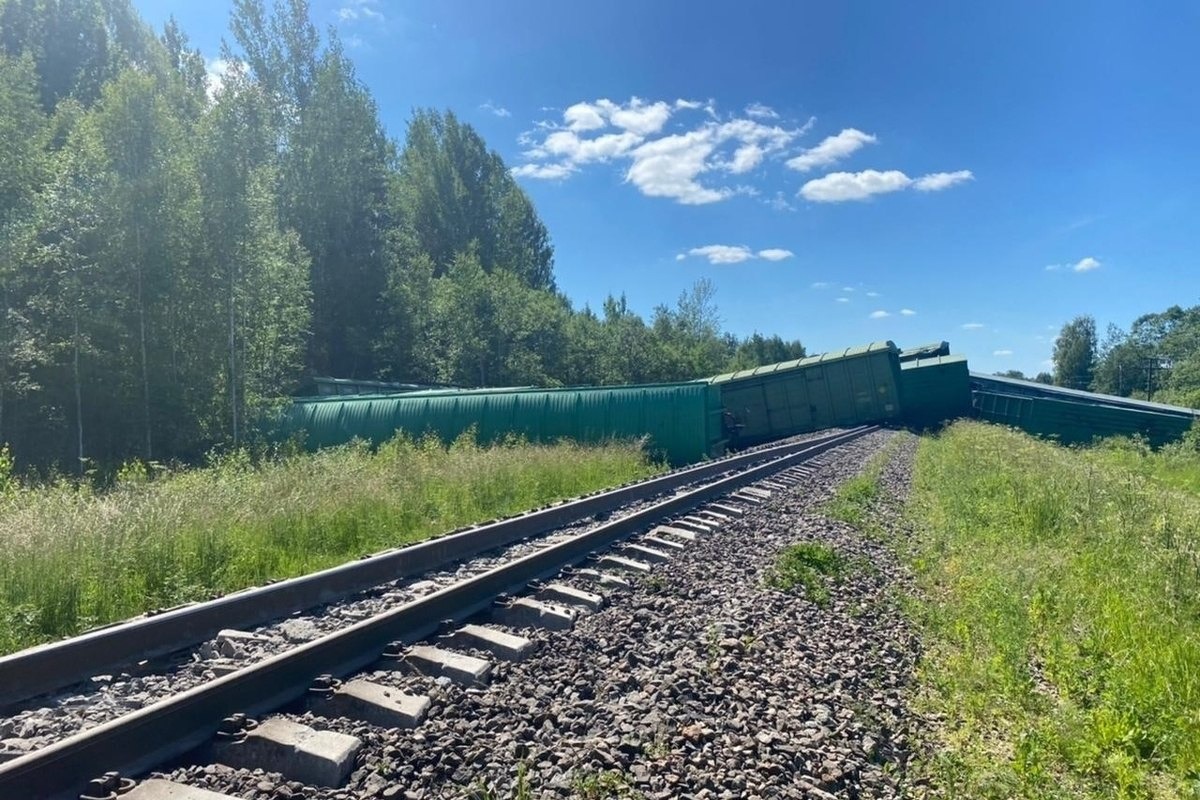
1059	616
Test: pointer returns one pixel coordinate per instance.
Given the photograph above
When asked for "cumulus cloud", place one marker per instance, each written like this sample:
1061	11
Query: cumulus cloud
216	70
936	181
761	111
1002	352
843	300
973	326
686	166
821	285
775	254
543	171
735	253
839	187
831	149
723	253
847	288
873	294
1086	264
907	312
499	111
879	314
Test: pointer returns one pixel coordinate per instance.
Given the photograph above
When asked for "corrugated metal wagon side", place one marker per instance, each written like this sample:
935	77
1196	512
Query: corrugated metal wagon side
680	422
1075	422
935	390
848	387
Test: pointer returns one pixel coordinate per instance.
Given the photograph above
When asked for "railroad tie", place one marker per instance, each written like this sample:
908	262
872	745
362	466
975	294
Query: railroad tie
440	663
605	579
646	554
676	532
662	544
159	789
526	613
501	644
564	595
375	703
298	752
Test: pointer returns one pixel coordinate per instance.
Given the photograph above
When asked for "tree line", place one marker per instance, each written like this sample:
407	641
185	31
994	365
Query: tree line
175	256
1157	358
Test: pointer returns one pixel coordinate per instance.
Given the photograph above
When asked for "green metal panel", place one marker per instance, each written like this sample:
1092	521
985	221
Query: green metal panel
931	350
847	387
682	422
1073	422
934	390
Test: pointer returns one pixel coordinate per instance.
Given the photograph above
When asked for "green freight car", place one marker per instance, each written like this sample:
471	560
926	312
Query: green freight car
681	422
1073	421
935	390
847	387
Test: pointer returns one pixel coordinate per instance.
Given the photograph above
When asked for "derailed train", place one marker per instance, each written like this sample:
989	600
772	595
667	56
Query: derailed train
686	422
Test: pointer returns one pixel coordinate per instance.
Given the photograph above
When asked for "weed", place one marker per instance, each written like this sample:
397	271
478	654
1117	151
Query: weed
808	566
655	584
609	785
71	556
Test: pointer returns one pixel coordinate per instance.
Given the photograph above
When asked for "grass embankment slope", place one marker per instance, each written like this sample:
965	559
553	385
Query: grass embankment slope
71	558
1061	612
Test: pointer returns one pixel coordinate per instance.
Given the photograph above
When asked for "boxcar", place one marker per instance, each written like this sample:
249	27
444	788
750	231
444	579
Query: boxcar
935	390
847	387
1073	421
680	421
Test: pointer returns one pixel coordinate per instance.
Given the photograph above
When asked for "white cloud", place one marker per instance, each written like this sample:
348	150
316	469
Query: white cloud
360	9
843	300
583	117
735	253
936	181
684	166
1002	352
216	70
547	172
775	254
838	187
879	314
761	111
499	111
821	285
831	149
1086	264
723	253
746	158
907	312
873	294
668	167
973	326
847	288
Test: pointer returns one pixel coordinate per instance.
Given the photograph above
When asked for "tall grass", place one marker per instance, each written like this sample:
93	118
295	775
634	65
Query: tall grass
1062	613
72	558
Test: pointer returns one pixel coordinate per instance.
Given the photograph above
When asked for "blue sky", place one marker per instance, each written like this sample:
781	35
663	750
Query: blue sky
843	172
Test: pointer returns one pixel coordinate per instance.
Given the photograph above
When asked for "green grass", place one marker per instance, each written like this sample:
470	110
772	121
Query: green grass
1176	465
854	498
808	566
72	558
1061	609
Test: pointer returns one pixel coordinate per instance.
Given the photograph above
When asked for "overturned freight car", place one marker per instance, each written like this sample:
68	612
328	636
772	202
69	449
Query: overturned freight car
680	422
843	388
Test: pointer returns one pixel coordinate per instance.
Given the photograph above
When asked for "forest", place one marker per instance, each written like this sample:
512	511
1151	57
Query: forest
177	257
1158	358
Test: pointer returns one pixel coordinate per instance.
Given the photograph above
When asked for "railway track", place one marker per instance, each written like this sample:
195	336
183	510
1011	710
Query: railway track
215	714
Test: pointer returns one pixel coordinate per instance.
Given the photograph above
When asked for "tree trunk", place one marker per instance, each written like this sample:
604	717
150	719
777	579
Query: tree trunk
78	395
233	396
142	334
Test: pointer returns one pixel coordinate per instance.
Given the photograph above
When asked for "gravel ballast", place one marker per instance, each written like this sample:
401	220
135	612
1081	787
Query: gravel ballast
699	681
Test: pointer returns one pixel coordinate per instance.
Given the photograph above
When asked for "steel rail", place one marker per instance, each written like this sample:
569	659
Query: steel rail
137	742
45	668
